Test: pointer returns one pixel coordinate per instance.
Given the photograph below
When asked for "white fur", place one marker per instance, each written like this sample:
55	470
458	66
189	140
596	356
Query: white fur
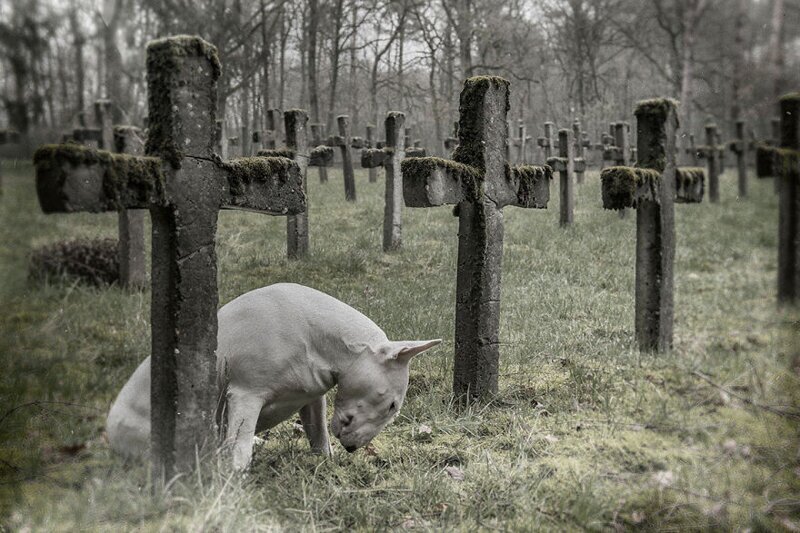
280	349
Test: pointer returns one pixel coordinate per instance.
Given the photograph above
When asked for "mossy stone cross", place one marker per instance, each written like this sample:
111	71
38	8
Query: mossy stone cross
480	183
741	147
547	142
184	185
650	188
521	142
581	140
297	149
784	163
344	141
566	164
389	157
711	153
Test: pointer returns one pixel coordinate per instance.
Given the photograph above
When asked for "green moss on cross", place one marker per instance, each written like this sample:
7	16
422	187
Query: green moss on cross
470	148
162	63
246	170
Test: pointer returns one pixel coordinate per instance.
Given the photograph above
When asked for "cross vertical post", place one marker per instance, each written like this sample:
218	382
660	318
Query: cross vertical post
711	154
546	142
294	123
372	173
317	136
7	137
343	141
740	147
580	143
480	183
130	222
564	164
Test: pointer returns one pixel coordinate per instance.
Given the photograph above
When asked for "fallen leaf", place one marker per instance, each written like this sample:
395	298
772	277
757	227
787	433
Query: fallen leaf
423	433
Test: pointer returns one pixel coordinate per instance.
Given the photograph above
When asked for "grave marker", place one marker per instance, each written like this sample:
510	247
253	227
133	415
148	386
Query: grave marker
546	142
450	143
784	163
711	153
372	173
130	222
317	136
521	142
741	148
581	141
344	141
7	137
297	149
184	186
480	183
389	157
566	164
650	188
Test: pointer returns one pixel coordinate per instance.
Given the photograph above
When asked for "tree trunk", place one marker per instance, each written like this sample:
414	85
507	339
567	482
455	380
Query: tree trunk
112	14
80	76
336	51
776	47
313	90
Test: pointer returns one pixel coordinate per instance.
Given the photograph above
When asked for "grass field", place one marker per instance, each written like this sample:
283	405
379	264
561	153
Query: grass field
586	432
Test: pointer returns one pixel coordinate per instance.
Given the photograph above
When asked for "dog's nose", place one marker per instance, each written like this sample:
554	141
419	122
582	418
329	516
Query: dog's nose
347	420
351	449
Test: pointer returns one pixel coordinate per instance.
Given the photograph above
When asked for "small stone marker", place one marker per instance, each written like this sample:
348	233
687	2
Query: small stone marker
344	142
581	141
784	163
711	154
7	137
450	143
184	185
372	172
566	164
521	142
651	188
389	157
274	135
317	136
295	126
130	222
255	141
691	151
480	183
547	142
740	147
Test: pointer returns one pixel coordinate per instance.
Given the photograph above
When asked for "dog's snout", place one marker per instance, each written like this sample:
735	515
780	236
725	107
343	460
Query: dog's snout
347	420
351	449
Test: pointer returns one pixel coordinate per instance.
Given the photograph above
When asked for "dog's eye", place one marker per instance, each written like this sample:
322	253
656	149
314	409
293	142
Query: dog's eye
392	407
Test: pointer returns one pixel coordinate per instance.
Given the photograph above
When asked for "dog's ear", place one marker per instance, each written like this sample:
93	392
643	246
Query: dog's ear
405	350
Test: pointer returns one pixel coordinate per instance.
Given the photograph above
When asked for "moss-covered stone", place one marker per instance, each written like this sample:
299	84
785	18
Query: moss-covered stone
121	133
470	148
773	161
656	106
277	152
163	61
532	181
621	185
689	185
127	180
247	170
790	97
321	156
419	169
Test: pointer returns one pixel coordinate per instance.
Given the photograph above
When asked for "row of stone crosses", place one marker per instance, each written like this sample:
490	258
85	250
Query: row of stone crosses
178	175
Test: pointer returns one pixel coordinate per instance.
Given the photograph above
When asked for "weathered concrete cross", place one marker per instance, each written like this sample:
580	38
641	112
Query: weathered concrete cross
297	149
450	143
710	151
184	185
521	142
344	142
784	163
581	140
691	151
372	172
130	222
480	183
546	142
317	136
651	188
741	148
389	157
566	164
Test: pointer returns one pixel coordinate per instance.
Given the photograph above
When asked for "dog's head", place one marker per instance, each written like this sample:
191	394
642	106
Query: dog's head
372	391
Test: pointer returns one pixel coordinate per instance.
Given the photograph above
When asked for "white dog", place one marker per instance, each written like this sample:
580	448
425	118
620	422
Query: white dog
280	349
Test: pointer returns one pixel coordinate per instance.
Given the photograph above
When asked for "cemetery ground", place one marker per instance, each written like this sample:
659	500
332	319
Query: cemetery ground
586	431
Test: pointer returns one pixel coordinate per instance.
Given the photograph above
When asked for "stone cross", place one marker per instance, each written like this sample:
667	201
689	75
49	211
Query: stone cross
521	142
297	149
255	140
372	173
344	142
566	164
274	119
450	143
317	136
711	153
130	222
547	142
784	163
234	148
619	152
581	141
389	157
741	148
691	150
480	183
7	137
650	188
184	185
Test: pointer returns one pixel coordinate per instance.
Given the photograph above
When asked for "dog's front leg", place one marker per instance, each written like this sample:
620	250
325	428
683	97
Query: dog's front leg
243	410
314	420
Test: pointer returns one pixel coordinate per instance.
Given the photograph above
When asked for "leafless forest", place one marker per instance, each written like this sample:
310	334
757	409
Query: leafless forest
566	59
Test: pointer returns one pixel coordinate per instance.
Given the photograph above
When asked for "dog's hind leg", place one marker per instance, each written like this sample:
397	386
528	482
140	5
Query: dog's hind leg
243	411
314	420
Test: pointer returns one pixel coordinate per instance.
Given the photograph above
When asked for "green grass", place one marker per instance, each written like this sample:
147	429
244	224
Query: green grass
586	433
